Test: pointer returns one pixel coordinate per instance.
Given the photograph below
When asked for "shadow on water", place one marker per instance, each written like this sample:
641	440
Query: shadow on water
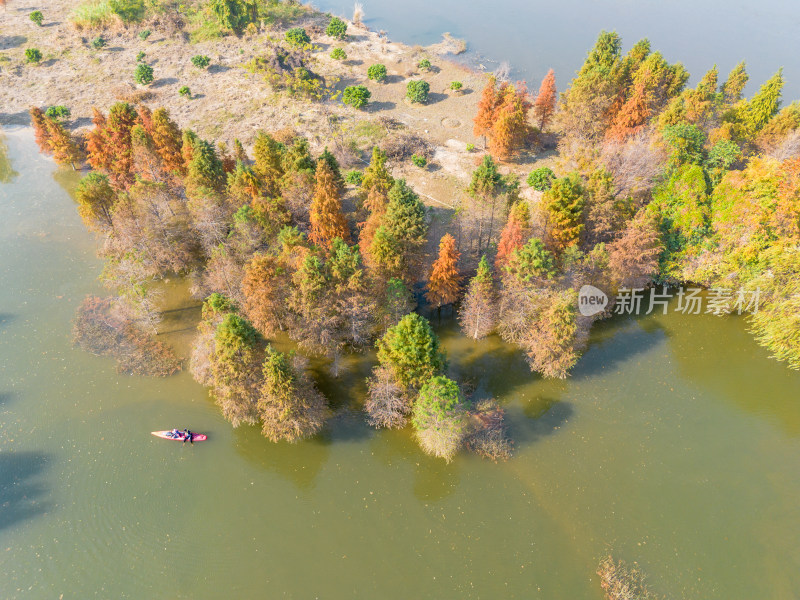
434	479
298	463
616	341
545	416
22	497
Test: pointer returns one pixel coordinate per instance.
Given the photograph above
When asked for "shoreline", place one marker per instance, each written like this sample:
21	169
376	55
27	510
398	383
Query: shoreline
229	103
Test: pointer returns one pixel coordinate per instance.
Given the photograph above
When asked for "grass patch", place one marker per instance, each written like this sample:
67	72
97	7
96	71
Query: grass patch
280	13
102	14
95	14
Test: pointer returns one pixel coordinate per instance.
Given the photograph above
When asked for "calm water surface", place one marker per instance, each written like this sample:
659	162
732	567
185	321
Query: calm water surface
536	35
675	444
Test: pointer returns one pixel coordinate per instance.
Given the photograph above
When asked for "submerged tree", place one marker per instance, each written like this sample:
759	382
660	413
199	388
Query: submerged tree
439	417
387	403
479	309
96	200
410	350
235	372
289	405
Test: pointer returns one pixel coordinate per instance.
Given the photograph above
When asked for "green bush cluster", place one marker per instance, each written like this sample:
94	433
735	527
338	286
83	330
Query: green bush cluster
201	61
33	55
297	37
143	75
336	28
144	34
417	91
424	65
356	96
377	73
185	91
98	42
58	112
541	179
338	54
37	17
419	160
470	147
354	177
234	14
140	56
456	86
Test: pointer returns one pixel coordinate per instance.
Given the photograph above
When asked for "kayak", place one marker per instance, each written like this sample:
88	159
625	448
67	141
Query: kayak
165	435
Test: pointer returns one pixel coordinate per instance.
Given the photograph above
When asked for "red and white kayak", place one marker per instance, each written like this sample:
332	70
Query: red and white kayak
168	435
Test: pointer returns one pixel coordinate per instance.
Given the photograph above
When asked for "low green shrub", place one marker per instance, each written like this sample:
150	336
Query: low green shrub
37	17
338	54
140	57
143	75
336	28
201	61
144	34
419	160
98	42
33	55
541	179
377	73
354	177
417	91
57	112
185	91
356	96
456	86
424	65
297	37
470	147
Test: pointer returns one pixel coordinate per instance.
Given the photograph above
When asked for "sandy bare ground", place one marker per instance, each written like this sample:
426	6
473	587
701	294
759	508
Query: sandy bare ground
231	103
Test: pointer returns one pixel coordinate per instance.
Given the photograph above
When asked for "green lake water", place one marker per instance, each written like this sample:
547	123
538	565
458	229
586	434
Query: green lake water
676	443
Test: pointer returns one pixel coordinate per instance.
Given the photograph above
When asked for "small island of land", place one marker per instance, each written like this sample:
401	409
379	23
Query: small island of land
315	181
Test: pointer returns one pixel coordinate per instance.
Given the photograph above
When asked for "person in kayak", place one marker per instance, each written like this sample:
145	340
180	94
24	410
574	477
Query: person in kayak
188	435
175	433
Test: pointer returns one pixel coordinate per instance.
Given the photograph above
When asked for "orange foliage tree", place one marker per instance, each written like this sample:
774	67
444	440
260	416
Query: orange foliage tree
503	117
514	234
65	150
95	142
39	122
487	107
545	104
265	287
444	282
327	220
632	116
